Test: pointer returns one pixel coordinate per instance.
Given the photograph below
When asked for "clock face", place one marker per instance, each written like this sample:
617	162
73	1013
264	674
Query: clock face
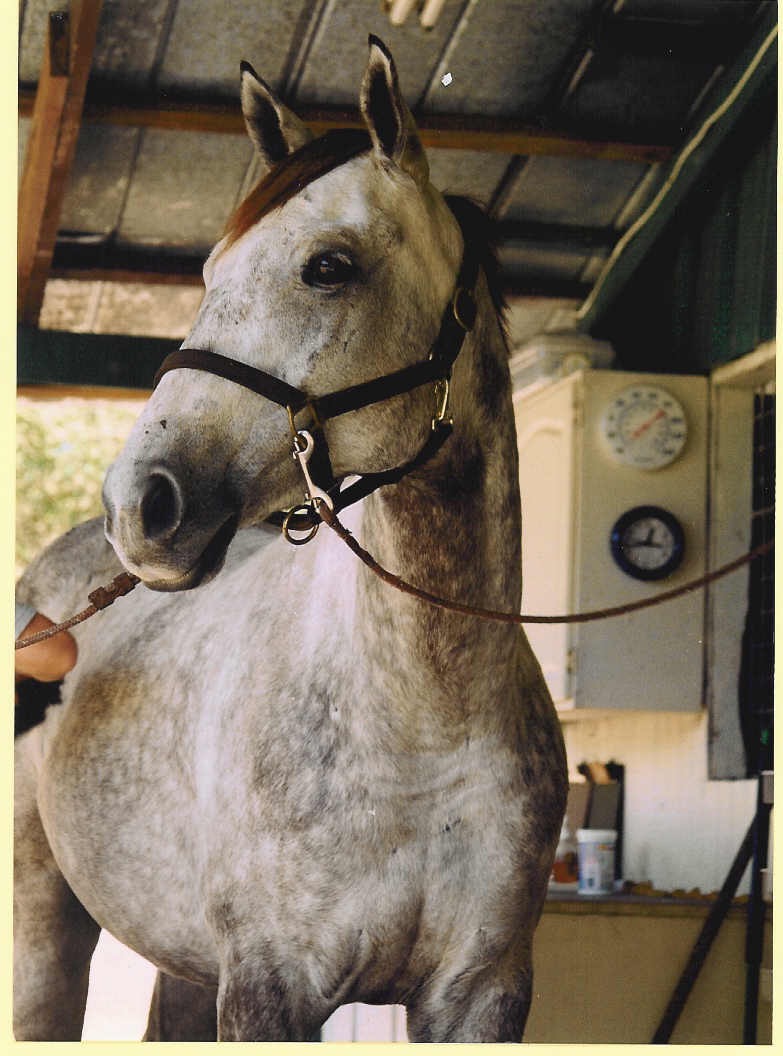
644	426
647	542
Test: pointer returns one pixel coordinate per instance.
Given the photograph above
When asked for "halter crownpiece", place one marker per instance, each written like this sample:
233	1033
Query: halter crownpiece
458	320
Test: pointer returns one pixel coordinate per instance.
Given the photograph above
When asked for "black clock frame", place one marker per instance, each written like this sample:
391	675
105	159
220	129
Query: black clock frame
623	523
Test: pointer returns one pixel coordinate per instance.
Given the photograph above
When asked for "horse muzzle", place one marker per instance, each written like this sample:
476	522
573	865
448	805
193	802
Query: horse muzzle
155	536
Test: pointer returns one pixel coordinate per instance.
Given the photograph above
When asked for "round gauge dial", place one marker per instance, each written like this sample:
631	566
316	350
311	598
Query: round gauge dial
647	542
645	426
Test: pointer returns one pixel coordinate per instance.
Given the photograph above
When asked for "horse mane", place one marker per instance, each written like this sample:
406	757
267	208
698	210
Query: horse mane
480	231
337	146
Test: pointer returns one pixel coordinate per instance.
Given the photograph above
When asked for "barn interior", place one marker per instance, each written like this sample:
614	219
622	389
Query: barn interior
626	152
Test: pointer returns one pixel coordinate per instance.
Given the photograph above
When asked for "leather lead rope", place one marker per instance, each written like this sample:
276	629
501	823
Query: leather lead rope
330	518
100	598
124	584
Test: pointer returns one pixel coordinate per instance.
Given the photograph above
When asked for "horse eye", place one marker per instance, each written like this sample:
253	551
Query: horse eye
328	270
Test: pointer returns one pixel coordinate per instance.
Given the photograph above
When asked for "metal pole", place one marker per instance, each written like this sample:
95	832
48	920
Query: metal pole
754	935
708	932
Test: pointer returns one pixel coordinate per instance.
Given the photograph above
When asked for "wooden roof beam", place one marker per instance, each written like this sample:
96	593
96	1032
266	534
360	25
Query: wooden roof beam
56	117
102	263
451	131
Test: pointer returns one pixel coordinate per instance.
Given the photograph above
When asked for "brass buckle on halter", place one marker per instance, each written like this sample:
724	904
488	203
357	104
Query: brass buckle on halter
315	424
442	416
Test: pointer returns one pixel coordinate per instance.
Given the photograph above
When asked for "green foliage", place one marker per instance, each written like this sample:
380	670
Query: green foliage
63	448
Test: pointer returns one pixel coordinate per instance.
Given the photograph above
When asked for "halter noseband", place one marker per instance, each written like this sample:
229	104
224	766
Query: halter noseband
458	319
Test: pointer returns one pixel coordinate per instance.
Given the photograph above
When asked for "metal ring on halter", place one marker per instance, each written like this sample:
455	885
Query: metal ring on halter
304	507
463	305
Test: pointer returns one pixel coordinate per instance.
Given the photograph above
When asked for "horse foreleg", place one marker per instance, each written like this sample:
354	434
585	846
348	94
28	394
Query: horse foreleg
54	936
181	1011
256	1002
477	1005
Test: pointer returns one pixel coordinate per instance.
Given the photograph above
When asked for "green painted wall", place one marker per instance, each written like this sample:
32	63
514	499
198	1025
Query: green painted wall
60	357
706	293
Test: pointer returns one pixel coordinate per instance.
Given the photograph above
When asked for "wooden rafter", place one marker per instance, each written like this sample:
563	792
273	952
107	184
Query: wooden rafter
107	263
452	131
56	117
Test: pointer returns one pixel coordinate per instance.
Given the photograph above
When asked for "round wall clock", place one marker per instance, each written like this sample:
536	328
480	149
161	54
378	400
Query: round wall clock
647	542
645	426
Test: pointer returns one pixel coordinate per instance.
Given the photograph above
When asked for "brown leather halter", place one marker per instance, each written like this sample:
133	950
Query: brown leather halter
457	320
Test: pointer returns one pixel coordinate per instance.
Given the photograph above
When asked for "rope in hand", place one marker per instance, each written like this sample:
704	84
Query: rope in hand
330	518
123	584
100	598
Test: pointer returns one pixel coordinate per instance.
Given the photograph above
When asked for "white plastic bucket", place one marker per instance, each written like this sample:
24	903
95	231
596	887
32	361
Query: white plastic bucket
595	854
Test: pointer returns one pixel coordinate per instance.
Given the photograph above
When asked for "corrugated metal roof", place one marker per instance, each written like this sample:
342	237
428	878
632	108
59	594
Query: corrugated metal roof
508	56
594	72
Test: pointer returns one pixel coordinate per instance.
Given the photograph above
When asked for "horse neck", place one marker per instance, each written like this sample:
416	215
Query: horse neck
453	528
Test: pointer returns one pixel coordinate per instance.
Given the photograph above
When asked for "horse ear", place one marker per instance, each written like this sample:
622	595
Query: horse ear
275	130
389	121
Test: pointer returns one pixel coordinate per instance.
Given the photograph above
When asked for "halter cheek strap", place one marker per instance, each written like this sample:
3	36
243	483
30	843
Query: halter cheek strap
458	319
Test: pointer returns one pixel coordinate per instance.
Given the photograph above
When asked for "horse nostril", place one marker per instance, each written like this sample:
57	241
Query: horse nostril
161	507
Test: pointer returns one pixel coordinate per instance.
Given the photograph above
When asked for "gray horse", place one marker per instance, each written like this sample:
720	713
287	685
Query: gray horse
295	787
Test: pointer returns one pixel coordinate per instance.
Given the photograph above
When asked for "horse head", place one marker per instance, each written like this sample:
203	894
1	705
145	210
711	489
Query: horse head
333	271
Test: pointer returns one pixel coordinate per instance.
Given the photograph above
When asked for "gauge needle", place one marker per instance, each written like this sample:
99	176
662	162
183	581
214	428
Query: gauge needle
648	424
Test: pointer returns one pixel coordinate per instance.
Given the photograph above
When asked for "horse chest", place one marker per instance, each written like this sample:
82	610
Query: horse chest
381	879
326	783
395	816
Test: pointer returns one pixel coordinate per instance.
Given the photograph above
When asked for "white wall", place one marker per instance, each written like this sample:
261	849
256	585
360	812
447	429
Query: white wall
681	830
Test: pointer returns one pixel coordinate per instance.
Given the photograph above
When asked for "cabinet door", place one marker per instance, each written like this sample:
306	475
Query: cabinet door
545	439
651	659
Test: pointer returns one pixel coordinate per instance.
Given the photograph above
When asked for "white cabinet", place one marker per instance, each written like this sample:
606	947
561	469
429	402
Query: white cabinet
574	491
